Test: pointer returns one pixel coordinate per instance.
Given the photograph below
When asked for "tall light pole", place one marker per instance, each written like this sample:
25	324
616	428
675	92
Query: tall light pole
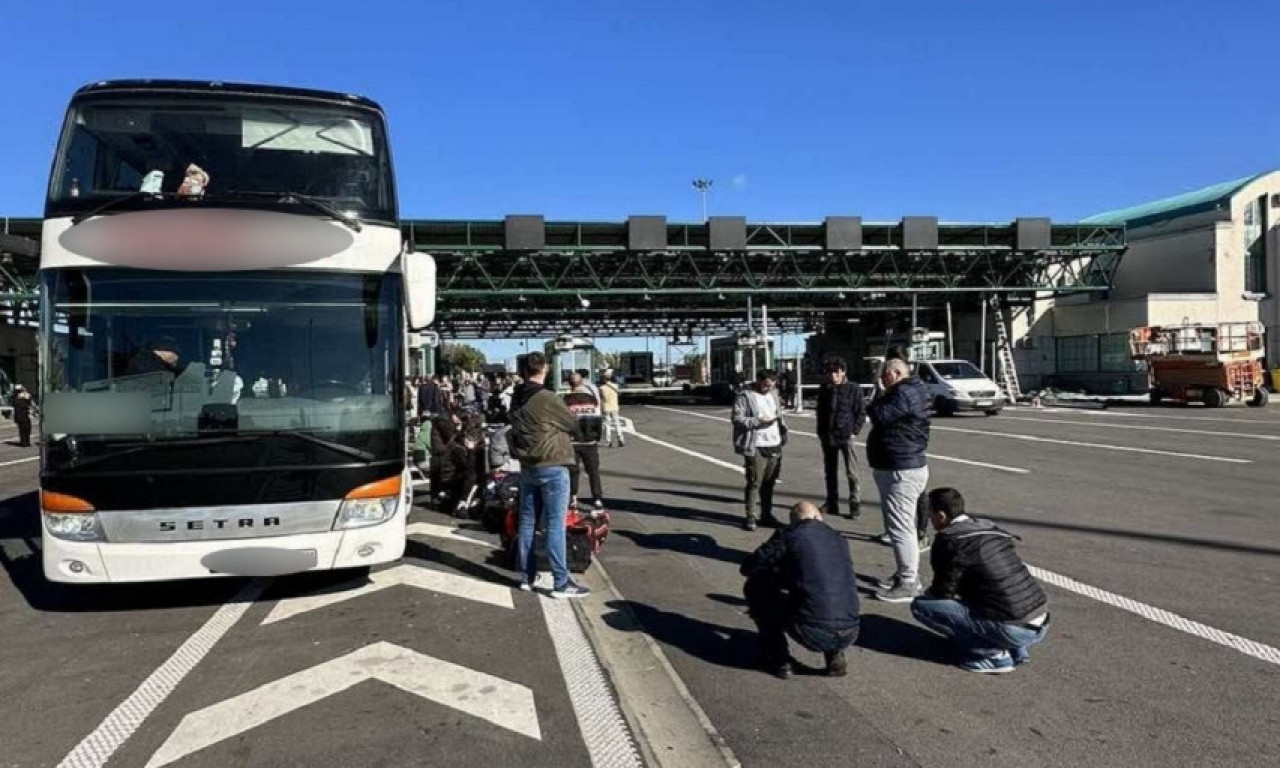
703	186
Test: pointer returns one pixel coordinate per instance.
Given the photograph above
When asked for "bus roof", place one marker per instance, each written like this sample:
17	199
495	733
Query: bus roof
203	86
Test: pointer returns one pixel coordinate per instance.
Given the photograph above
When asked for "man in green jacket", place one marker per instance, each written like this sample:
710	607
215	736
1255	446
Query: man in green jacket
541	432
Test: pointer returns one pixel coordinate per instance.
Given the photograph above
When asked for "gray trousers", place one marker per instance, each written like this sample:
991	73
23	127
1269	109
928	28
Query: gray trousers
899	494
762	474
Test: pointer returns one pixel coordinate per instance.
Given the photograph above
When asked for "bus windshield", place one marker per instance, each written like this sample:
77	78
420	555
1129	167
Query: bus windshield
140	359
117	145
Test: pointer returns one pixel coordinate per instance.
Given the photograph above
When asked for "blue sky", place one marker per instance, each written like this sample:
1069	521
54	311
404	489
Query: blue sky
595	110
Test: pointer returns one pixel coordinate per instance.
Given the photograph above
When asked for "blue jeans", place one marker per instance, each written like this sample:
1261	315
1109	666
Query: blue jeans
544	492
976	635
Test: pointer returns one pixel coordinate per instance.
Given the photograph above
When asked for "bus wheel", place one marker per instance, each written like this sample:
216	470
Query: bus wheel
1260	398
1157	397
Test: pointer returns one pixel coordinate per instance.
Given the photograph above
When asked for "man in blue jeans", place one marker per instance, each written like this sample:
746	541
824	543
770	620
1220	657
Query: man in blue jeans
982	597
541	428
800	583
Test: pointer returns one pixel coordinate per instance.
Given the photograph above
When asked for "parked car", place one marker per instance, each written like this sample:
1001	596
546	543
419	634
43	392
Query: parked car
958	385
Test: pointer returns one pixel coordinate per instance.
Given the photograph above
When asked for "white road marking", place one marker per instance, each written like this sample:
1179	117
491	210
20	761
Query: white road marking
1258	419
1099	446
501	702
1142	427
1252	648
937	456
98	747
1242	644
695	454
19	461
444	532
595	706
452	584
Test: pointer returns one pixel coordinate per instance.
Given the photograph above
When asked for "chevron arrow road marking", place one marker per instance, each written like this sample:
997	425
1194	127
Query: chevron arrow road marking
504	703
409	575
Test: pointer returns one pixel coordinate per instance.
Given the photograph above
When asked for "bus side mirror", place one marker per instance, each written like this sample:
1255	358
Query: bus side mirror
419	271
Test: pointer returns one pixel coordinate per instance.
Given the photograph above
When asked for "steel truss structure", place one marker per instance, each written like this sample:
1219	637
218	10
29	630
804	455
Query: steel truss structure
586	280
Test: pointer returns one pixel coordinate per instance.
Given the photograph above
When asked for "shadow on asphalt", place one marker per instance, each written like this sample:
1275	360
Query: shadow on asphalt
495	569
693	495
894	637
712	643
697	544
20	520
1184	541
676	513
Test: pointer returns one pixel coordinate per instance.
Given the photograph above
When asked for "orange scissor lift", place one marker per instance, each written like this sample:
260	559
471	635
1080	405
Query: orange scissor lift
1212	363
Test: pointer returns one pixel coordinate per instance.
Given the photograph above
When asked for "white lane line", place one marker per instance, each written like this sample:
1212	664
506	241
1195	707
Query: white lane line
452	584
1099	446
687	452
608	737
938	456
444	532
19	461
1159	615
98	747
1142	427
1258	420
501	702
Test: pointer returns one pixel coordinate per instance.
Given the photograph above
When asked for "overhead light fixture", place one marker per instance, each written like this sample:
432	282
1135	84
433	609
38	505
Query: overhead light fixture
721	297
840	295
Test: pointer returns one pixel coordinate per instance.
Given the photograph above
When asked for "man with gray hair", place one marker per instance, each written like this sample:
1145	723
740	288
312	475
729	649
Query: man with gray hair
800	583
896	452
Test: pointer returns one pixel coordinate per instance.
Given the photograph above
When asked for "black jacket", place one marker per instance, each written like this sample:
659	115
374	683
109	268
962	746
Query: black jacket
812	562
899	427
841	412
975	562
430	399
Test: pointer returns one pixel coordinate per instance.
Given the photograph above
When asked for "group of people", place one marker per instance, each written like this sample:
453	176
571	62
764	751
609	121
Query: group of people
801	581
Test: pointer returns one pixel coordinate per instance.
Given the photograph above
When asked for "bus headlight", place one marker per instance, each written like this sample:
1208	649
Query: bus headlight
369	504
69	517
358	513
73	527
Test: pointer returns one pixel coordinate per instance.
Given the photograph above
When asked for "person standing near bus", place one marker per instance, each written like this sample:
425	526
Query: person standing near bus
22	405
609	397
583	401
541	430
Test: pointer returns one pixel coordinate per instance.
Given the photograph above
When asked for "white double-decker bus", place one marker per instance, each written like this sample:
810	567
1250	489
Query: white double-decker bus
225	293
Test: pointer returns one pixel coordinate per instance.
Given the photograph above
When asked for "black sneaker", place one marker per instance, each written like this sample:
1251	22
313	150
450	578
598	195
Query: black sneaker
902	592
750	524
837	666
855	509
770	521
781	671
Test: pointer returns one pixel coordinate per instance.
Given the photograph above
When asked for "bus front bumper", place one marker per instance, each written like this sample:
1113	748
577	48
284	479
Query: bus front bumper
95	562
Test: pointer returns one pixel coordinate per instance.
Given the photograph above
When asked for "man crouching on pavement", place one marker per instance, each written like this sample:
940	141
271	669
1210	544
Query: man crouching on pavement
983	597
801	583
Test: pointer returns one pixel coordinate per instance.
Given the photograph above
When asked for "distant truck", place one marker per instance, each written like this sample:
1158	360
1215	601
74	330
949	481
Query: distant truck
635	368
1211	363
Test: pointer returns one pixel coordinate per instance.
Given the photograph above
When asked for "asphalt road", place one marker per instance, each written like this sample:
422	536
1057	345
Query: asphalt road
1135	503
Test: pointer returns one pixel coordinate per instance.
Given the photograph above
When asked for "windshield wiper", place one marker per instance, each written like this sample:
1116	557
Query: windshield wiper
119	201
342	448
294	197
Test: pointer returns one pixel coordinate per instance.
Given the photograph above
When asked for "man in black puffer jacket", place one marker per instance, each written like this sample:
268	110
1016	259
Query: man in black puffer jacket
800	583
841	414
982	597
896	452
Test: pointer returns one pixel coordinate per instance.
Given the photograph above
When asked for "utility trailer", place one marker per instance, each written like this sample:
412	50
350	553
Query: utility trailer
1208	363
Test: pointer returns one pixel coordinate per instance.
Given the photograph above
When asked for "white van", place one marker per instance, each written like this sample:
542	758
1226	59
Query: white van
958	385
